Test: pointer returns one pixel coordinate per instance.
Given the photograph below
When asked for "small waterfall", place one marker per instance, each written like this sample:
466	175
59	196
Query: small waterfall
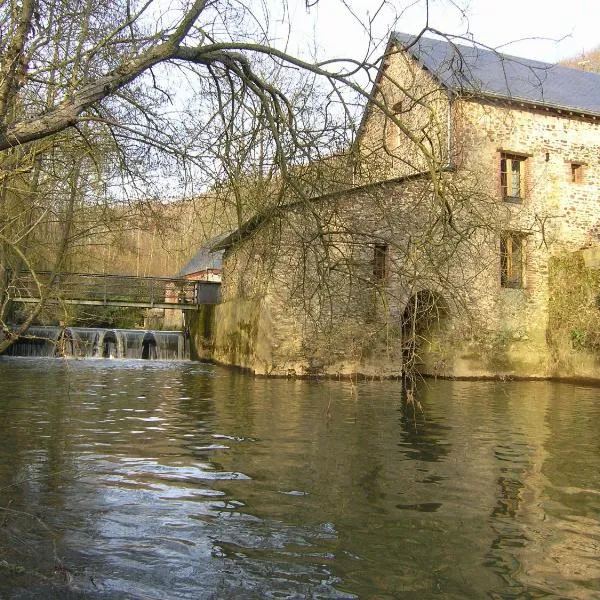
132	343
171	344
149	346
107	344
39	341
89	342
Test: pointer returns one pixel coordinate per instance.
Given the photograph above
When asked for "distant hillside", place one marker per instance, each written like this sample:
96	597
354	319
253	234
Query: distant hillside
590	61
154	240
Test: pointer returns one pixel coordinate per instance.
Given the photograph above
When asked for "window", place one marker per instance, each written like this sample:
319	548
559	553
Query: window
511	260
392	130
392	137
576	172
380	262
512	177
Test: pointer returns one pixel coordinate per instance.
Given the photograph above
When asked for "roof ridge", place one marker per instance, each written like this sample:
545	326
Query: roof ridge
488	72
477	46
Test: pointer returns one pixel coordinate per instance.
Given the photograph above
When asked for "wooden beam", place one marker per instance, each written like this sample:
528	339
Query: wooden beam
121	303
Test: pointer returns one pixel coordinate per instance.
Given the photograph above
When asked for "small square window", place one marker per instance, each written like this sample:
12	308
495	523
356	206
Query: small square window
511	260
576	172
380	262
512	177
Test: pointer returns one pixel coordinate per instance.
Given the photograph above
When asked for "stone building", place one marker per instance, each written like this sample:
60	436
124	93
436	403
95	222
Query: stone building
474	174
204	267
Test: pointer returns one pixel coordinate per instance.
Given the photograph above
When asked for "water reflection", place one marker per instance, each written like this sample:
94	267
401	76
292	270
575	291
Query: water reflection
180	480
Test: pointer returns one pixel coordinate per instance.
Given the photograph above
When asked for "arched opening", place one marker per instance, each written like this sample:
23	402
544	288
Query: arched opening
109	345
65	345
149	346
423	319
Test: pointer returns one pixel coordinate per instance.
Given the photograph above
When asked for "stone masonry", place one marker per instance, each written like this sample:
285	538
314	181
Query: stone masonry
426	218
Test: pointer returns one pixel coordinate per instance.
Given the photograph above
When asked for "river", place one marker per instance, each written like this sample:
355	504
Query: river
142	479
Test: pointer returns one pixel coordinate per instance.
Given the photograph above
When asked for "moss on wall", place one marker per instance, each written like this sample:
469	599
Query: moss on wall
240	336
201	324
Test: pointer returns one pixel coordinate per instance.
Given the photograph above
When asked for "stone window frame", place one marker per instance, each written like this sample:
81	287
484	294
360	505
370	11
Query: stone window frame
393	136
380	262
512	259
513	164
576	171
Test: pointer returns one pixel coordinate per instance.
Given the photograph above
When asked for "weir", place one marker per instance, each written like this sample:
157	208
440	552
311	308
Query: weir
91	342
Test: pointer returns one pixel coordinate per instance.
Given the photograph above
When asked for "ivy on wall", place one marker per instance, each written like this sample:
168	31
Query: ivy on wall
574	307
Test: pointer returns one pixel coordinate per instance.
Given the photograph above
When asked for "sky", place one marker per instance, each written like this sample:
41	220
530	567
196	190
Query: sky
534	29
539	29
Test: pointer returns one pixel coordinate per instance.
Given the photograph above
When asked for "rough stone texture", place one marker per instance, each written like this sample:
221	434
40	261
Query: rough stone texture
317	307
299	296
405	129
557	214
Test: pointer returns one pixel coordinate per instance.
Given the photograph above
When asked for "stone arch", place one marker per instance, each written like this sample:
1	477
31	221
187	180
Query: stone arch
65	344
424	318
149	346
110	347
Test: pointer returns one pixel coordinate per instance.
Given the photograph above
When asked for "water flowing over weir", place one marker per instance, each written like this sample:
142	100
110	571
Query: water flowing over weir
91	342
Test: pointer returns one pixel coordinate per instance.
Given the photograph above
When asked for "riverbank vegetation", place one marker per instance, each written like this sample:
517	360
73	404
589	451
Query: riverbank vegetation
95	139
574	315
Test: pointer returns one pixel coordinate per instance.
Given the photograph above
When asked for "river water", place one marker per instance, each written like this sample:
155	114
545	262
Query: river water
141	479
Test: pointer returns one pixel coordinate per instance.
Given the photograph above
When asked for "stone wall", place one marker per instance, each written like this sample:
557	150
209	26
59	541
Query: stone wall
312	299
300	297
551	142
557	215
405	130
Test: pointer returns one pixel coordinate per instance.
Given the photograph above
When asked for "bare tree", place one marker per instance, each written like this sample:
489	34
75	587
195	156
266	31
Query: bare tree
90	123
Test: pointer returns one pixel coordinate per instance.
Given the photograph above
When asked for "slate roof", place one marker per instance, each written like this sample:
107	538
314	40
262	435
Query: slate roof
204	259
471	69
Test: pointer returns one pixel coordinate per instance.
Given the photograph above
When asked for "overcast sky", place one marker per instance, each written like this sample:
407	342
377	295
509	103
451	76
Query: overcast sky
549	30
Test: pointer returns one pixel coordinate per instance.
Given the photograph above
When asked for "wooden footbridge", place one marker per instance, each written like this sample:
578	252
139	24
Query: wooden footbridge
94	289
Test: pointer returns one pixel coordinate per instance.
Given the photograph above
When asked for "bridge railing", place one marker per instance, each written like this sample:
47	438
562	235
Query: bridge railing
105	288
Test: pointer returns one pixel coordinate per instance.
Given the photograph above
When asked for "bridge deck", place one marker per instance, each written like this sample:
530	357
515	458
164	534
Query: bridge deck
93	289
116	303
